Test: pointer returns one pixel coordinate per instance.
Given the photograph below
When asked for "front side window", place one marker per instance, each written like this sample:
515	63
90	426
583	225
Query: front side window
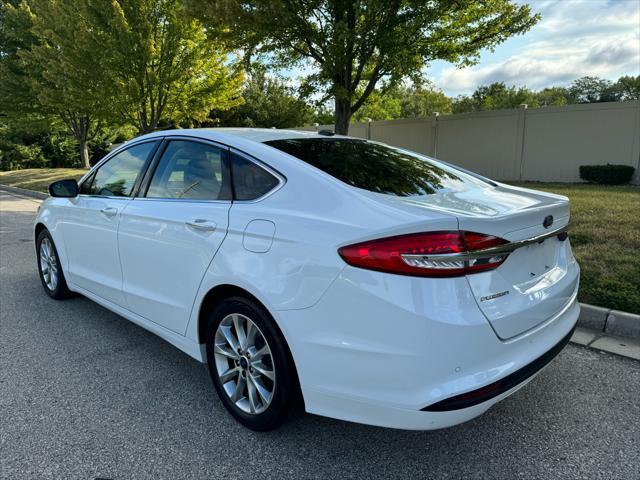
250	181
191	171
375	167
117	177
85	188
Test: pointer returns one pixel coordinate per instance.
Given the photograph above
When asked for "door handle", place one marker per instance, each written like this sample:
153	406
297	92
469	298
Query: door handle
109	211
202	224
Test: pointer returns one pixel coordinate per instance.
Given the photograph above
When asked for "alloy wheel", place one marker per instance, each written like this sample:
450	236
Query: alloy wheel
244	364
48	264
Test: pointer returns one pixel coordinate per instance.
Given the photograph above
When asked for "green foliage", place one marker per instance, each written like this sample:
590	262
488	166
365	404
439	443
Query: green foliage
353	45
607	174
323	115
47	70
496	96
159	62
583	90
595	89
15	155
423	100
553	97
97	65
592	90
627	88
15	36
414	101
380	105
36	144
268	102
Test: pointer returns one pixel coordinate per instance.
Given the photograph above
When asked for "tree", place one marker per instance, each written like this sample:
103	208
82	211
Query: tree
496	96
50	71
381	105
627	88
354	44
423	100
420	99
592	90
15	36
164	69
553	97
463	104
268	102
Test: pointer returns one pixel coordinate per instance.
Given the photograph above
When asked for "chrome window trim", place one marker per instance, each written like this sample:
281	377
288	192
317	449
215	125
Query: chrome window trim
110	197
491	251
281	178
169	199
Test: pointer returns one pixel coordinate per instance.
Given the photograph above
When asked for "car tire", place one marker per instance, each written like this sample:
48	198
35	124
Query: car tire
244	382
49	267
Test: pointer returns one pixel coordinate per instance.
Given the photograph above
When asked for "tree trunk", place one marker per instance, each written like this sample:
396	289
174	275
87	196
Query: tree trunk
343	115
84	153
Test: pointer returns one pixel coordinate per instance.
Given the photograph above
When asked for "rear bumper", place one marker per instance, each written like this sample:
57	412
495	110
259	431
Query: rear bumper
377	348
497	388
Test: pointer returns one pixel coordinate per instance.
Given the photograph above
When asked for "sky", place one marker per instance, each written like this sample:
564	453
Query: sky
574	38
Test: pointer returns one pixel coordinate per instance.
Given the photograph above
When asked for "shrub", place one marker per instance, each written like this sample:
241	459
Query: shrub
15	156
607	174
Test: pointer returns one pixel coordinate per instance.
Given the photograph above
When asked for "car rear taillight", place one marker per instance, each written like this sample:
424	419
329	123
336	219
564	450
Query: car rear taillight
433	254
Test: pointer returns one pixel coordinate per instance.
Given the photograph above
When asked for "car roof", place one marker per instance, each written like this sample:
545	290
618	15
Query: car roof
224	135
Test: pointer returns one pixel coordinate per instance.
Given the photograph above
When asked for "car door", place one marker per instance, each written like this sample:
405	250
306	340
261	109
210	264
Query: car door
170	233
90	223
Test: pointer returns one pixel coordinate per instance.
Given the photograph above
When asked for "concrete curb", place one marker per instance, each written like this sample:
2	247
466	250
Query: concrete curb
24	192
623	324
625	347
605	320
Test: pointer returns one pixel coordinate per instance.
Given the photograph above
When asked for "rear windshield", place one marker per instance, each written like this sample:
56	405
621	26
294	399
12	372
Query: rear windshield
372	166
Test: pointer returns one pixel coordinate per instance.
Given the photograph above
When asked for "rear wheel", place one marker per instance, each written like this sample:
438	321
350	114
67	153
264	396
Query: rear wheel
250	364
49	267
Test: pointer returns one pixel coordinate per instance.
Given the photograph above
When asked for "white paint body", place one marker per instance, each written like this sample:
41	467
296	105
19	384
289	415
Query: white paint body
369	347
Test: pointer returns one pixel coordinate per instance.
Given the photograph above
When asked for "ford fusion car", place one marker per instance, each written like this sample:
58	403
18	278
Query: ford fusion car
360	281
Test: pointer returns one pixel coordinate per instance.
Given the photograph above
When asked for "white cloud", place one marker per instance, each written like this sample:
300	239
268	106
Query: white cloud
573	39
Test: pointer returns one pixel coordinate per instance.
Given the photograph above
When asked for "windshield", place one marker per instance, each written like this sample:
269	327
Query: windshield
373	166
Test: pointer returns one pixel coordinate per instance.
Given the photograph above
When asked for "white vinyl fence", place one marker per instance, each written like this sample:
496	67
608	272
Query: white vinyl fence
537	144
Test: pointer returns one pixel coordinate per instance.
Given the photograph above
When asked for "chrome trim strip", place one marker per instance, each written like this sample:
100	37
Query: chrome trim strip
183	200
109	197
490	252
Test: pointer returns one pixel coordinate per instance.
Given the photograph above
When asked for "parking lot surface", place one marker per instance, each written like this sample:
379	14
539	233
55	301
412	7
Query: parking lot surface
85	394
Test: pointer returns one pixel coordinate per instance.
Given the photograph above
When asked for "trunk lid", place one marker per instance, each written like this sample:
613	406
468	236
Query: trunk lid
535	282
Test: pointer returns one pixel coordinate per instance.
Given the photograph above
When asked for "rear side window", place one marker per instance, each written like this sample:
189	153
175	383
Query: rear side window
191	171
250	181
372	166
118	175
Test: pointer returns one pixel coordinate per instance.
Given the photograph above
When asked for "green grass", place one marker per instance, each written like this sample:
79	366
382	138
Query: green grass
38	179
605	233
605	236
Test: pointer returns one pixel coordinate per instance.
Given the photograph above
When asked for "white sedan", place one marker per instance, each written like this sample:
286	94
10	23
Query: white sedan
358	280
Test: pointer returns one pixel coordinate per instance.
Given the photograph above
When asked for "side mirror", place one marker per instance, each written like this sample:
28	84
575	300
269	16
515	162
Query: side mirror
64	188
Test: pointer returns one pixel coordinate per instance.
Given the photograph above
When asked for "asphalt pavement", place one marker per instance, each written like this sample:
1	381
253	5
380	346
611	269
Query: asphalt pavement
85	394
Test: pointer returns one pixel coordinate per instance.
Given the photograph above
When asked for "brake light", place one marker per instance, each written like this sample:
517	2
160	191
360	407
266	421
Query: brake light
433	254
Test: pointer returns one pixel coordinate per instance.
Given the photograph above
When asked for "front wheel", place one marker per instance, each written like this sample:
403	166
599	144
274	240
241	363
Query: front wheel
250	365
49	267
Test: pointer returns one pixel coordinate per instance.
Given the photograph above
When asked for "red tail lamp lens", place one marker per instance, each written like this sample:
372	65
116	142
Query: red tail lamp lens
414	254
